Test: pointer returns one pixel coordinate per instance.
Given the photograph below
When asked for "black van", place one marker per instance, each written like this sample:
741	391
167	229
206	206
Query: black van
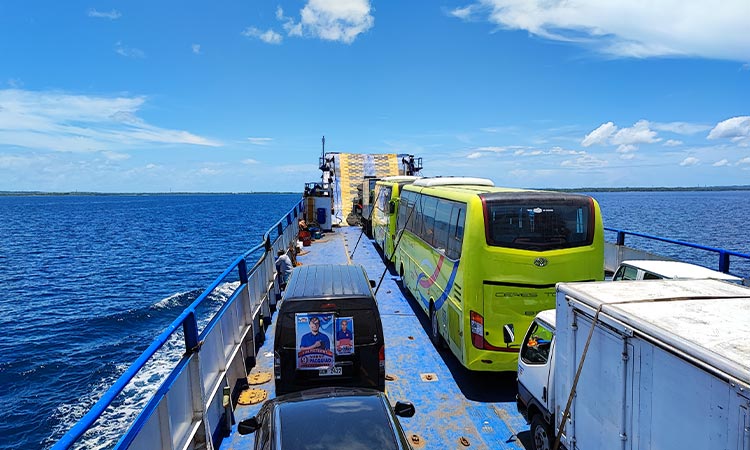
328	331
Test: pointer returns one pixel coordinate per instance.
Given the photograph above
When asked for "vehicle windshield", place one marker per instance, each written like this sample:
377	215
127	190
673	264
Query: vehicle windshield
540	223
350	423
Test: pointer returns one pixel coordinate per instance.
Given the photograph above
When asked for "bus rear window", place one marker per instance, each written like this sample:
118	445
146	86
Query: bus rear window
539	224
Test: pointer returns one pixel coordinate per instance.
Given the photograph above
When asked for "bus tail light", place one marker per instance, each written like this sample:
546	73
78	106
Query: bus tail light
477	330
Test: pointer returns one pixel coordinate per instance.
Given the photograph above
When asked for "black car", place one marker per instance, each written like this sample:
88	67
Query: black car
328	331
329	418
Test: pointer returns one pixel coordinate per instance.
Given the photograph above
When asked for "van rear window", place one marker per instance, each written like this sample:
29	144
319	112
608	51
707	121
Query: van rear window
365	326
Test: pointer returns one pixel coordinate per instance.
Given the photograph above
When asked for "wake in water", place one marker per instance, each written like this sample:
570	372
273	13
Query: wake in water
116	419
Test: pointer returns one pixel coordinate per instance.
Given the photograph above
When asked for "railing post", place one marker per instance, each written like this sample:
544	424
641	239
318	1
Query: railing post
620	238
724	262
242	267
190	330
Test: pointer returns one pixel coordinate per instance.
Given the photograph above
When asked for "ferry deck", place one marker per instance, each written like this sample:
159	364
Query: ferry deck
455	408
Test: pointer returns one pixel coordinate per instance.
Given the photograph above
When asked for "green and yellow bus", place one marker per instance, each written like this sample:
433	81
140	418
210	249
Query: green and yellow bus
481	260
385	212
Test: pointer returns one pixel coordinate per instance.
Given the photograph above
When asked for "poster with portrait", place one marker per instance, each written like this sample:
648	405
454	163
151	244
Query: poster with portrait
344	335
314	337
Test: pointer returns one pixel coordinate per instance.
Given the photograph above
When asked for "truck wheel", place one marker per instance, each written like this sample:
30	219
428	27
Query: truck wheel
541	436
435	337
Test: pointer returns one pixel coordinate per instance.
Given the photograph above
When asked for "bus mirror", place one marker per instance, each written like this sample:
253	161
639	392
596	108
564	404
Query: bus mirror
508	334
391	207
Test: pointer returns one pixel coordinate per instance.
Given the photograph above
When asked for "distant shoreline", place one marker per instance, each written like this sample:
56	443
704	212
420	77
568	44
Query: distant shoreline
582	189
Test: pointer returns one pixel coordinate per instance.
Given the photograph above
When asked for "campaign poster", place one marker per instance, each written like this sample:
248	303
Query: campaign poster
344	335
314	337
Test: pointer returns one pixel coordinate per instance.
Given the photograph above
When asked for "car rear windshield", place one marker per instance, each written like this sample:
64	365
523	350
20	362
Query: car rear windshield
336	423
540	223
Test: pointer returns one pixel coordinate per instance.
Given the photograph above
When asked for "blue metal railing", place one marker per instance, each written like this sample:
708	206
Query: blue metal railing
187	321
723	254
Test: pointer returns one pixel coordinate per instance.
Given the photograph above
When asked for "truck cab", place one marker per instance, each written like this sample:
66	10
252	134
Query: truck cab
535	398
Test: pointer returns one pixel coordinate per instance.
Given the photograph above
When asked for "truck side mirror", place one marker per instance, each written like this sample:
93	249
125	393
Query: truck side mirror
508	335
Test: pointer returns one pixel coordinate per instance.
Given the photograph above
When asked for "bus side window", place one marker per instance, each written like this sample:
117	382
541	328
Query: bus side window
442	224
456	231
428	219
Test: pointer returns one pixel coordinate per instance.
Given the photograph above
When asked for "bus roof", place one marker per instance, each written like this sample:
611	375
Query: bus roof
452	181
399	178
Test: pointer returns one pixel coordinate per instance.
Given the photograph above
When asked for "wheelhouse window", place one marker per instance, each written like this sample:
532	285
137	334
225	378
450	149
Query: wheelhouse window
539	222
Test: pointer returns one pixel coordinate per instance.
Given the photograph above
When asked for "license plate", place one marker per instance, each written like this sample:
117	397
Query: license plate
329	371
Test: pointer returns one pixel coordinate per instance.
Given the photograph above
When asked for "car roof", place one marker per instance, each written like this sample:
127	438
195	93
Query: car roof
328	281
679	269
335	418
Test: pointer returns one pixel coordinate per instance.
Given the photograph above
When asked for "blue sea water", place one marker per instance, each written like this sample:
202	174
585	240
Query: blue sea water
88	281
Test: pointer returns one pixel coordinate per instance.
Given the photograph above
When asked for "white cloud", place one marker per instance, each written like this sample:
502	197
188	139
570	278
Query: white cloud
599	136
474	155
689	161
737	129
208	171
492	149
625	28
640	133
250	161
627	156
111	15
585	161
463	13
15	83
80	123
627	139
744	161
115	156
128	52
331	20
268	36
680	127
673	143
196	49
260	140
721	163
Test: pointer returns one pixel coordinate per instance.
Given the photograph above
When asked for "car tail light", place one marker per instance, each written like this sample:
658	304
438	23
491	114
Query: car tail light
477	330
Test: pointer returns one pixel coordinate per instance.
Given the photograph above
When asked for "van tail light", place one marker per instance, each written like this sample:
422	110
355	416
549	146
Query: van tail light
381	358
277	365
477	330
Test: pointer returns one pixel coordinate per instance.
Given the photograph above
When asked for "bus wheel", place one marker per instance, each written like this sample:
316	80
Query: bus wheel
435	337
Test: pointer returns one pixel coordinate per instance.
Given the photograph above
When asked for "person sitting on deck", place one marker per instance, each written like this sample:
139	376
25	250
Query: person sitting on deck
284	267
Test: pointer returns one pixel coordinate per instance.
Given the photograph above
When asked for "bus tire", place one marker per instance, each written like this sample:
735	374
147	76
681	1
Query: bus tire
541	436
435	337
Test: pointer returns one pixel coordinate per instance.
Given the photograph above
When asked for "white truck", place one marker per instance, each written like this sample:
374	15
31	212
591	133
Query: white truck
661	365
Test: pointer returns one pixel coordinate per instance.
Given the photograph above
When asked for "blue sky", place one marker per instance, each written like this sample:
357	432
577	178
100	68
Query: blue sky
158	96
